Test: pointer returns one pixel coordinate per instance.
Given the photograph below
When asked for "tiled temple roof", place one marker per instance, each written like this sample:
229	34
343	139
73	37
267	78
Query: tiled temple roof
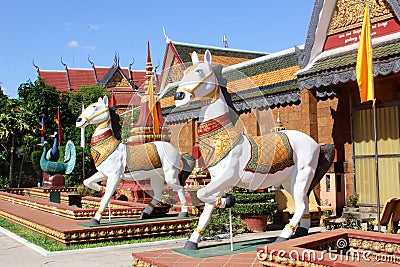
341	67
259	83
221	55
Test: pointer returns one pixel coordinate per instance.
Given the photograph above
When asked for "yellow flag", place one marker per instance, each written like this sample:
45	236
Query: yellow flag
364	61
153	107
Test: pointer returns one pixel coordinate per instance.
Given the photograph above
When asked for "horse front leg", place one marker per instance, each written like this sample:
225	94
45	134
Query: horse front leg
211	196
112	183
92	182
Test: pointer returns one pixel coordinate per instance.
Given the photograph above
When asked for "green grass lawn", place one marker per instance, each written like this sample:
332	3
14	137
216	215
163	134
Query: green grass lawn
51	245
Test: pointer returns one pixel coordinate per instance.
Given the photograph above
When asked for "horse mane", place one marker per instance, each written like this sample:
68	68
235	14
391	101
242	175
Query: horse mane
115	126
233	113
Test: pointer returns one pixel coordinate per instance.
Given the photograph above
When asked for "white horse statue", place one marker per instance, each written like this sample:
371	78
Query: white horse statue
115	161
230	156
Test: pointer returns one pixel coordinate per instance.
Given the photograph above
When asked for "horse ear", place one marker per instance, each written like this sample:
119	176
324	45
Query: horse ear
100	100
195	58
105	100
207	56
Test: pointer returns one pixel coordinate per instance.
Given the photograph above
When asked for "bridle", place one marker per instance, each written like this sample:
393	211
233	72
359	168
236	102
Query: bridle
88	119
213	94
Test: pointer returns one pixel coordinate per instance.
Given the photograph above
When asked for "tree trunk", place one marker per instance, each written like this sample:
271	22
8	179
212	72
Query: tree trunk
11	161
20	170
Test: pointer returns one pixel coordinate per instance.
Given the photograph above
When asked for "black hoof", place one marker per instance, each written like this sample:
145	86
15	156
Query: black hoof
144	216
280	239
183	214
189	245
94	221
230	201
300	231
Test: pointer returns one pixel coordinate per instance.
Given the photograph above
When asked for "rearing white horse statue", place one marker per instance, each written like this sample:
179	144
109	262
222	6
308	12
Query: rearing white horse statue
115	161
234	159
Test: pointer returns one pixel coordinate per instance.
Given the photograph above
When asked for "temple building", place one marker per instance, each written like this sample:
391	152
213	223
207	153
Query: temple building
122	81
313	87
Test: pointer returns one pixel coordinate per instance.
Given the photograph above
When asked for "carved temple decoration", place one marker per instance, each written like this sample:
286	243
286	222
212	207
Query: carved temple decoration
118	81
348	15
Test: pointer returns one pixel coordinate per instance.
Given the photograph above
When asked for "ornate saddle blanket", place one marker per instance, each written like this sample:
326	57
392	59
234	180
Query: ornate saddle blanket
142	157
102	146
217	138
270	153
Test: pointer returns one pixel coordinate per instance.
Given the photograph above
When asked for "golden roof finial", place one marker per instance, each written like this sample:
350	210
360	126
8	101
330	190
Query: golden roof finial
278	124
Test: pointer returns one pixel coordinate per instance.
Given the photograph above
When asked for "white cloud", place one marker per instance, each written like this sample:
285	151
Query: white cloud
90	47
73	44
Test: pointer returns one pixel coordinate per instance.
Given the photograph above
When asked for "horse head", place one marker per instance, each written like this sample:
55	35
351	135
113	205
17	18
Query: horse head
95	113
199	82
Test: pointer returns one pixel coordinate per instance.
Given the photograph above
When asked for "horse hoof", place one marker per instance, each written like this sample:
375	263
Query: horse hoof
300	231
183	214
189	245
94	221
230	201
280	239
144	216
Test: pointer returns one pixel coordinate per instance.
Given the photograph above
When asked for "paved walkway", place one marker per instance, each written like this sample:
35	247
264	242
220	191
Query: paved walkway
15	251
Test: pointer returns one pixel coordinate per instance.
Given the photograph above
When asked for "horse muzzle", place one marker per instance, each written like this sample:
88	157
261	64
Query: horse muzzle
80	122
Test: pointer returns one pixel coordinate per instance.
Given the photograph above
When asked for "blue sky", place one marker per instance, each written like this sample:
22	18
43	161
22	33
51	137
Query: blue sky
46	30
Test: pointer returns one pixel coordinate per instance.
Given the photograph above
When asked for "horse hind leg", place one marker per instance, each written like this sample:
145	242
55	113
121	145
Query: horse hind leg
182	198
300	222
157	185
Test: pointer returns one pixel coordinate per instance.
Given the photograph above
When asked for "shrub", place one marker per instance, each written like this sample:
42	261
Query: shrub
255	208
219	224
253	203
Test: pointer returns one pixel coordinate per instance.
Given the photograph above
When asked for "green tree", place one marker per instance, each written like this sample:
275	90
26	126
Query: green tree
14	131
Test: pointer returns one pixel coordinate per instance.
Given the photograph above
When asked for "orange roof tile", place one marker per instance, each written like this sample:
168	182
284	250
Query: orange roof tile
167	102
224	60
79	77
263	79
58	79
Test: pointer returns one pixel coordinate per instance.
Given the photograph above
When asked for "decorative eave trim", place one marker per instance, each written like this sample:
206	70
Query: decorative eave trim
268	101
382	68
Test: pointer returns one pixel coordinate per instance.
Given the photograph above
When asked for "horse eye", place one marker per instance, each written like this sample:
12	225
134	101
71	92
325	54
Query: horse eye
199	71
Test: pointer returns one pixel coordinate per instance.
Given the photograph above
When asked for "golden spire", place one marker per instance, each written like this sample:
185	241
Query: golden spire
278	124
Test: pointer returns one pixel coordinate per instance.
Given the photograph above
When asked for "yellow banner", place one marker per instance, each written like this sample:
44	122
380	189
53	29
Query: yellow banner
364	60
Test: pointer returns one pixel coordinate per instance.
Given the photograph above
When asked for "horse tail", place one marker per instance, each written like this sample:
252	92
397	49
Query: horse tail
325	159
188	166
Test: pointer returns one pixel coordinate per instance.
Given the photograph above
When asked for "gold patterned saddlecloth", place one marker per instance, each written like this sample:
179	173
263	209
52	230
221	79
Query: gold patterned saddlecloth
102	146
217	138
270	153
142	158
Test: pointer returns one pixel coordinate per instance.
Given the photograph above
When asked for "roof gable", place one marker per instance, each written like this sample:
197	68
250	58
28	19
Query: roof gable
224	56
178	56
336	24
